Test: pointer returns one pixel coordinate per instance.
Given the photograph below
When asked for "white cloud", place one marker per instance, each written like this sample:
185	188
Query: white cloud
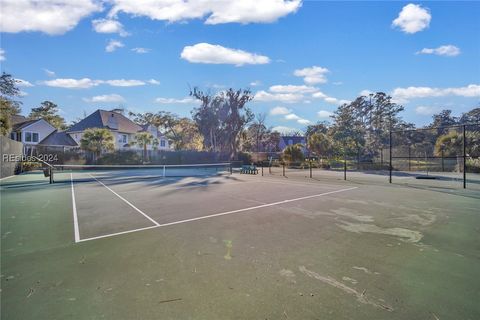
124	83
2	55
83	83
292	116
279	111
107	98
413	18
23	83
312	75
337	83
22	93
141	50
284	130
282	97
255	83
366	92
216	54
292	89
324	114
303	121
109	26
426	110
86	83
49	16
153	81
113	45
216	12
49	73
405	94
328	99
186	100
447	50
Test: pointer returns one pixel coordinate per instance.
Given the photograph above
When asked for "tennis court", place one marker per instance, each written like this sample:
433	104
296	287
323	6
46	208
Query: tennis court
203	243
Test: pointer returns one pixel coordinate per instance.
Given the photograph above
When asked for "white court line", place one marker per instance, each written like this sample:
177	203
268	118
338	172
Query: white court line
256	207
222	213
126	201
5	178
75	216
118	233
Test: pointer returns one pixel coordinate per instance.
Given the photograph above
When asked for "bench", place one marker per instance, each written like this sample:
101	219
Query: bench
249	169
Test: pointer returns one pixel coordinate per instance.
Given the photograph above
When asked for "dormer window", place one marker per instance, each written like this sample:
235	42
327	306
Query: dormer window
31	137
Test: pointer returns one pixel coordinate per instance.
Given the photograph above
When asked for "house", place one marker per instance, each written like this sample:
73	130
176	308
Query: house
122	128
291	140
30	132
33	133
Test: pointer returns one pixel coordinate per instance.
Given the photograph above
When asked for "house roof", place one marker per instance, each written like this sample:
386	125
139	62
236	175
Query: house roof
21	125
108	120
16	118
58	138
295	139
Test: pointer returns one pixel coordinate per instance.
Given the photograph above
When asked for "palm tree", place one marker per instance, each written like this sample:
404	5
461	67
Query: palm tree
143	139
97	140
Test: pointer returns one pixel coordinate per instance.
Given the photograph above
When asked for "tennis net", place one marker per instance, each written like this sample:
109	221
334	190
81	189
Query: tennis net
137	172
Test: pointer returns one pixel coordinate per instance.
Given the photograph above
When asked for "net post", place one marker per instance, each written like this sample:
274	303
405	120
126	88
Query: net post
164	173
345	163
261	164
390	165
50	173
231	168
464	157
283	165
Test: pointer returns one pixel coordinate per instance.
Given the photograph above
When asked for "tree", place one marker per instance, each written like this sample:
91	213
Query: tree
188	135
319	127
472	116
443	119
293	153
169	124
97	141
143	139
49	112
347	130
8	105
256	135
320	144
222	118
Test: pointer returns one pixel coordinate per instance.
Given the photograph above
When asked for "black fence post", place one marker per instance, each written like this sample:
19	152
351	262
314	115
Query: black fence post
345	163
409	158
310	163
464	157
443	162
381	157
390	166
261	163
283	165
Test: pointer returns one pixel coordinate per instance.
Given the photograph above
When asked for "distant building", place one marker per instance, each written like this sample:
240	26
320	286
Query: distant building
122	128
291	140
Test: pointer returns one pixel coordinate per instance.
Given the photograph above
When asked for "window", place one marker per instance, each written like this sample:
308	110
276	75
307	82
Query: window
162	143
123	138
31	137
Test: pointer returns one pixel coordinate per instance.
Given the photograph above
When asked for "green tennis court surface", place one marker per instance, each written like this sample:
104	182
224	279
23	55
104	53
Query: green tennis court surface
95	245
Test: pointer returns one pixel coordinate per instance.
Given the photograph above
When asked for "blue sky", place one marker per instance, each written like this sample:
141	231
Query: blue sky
301	59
